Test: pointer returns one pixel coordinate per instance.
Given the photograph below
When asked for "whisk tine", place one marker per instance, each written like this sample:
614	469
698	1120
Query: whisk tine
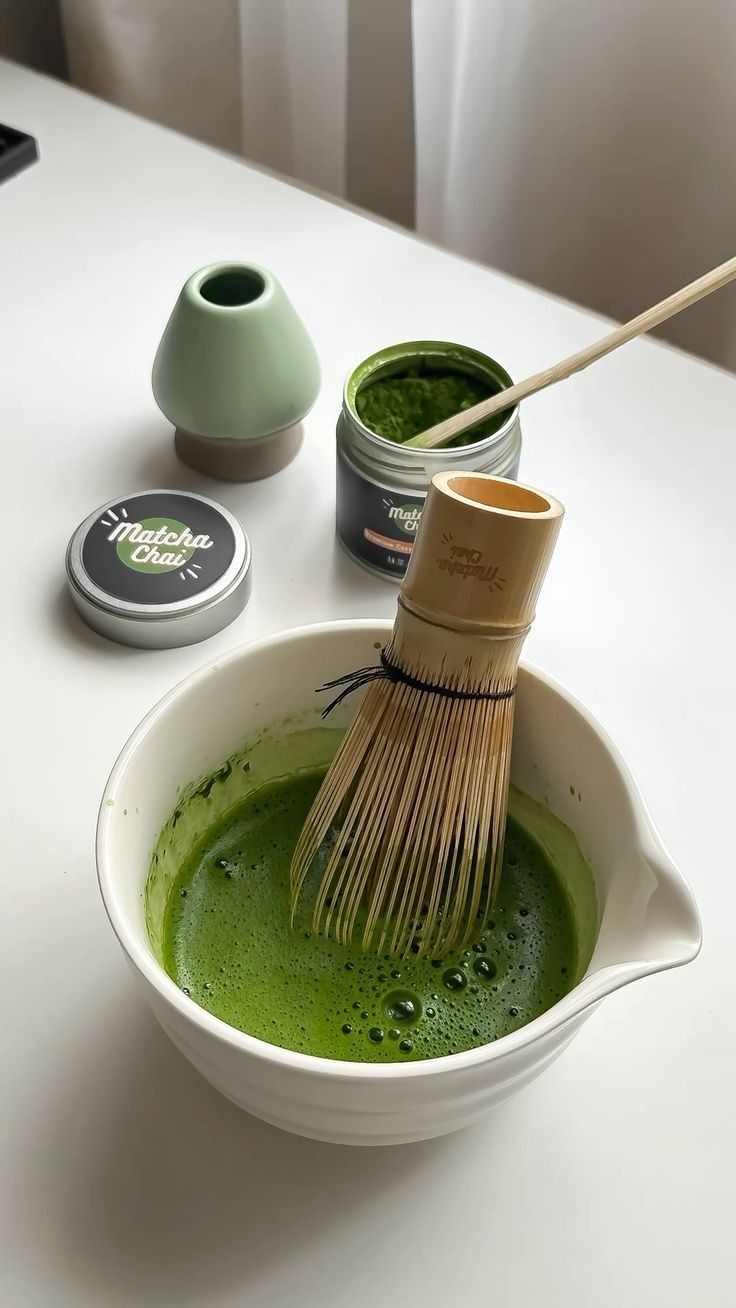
357	823
364	838
466	824
397	843
330	796
413	807
431	848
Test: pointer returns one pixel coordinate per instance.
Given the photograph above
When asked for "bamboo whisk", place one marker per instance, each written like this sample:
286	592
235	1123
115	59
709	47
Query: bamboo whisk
412	810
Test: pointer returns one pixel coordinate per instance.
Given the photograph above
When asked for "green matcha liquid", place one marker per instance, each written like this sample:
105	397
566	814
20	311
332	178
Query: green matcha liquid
228	944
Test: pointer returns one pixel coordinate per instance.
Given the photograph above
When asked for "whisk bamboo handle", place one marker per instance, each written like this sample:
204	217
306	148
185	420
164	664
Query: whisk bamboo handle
481	555
443	432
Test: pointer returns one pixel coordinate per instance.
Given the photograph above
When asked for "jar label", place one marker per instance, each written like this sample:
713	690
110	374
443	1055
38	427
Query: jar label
158	547
377	524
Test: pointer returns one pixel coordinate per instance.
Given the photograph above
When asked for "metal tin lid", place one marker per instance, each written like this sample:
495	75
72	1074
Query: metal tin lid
159	568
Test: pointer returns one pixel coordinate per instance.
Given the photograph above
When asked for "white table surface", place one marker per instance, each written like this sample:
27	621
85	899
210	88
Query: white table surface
125	1179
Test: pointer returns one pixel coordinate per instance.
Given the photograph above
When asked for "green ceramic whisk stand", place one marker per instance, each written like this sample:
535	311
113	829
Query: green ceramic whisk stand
235	372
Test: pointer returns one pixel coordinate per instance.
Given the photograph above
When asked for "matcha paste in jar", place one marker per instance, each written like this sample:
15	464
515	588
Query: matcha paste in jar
400	407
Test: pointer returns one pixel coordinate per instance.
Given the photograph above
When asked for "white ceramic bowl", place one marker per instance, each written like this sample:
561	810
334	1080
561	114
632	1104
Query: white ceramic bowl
648	920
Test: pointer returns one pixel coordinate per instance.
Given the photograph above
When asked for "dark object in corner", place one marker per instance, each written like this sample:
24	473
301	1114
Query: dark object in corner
17	151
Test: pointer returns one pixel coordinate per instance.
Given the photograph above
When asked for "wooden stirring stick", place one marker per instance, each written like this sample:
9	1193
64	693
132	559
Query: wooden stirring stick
443	432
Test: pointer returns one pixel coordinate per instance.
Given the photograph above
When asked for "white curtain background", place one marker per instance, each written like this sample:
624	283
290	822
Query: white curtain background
586	147
311	88
263	78
583	146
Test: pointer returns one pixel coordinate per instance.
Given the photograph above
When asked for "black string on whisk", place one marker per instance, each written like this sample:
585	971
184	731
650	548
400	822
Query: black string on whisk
388	671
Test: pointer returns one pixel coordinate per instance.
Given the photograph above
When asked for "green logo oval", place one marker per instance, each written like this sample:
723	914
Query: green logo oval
406	517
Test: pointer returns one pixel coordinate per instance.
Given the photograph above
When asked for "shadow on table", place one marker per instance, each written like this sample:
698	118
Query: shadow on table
67	627
154	1190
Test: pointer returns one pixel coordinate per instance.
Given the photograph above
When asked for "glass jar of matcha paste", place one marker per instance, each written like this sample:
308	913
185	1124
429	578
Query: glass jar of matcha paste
391	396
